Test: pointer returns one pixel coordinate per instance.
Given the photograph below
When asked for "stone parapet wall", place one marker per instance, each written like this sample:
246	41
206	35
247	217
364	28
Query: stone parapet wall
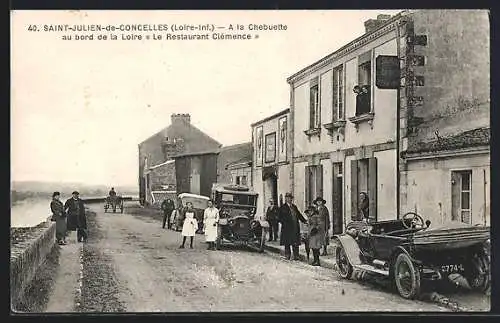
27	256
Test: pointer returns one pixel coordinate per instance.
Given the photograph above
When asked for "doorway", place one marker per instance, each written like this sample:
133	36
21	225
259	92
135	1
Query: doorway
271	189
338	198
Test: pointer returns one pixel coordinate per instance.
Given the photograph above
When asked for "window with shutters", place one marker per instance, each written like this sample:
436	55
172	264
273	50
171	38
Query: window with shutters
363	96
338	93
314	110
461	196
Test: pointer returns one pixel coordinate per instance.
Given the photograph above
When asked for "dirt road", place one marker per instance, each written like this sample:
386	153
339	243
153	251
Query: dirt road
131	264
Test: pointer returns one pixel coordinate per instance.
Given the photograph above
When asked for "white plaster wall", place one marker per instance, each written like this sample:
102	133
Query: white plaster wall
299	187
327	186
429	188
386	185
347	189
384	105
283	180
259	188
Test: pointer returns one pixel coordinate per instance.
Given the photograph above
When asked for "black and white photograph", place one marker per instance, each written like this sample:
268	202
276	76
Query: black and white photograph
190	161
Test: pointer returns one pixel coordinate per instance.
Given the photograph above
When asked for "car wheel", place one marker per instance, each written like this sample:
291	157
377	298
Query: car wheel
344	267
481	279
406	277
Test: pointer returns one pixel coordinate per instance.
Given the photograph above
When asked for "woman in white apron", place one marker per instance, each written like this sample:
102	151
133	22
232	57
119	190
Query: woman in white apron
210	219
189	226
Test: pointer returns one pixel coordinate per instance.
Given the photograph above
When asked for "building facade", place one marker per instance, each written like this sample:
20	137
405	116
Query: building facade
241	172
229	161
271	174
445	169
196	172
180	137
356	114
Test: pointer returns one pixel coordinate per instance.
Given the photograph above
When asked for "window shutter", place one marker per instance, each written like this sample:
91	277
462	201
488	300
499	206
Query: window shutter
312	108
354	190
372	187
319	181
306	190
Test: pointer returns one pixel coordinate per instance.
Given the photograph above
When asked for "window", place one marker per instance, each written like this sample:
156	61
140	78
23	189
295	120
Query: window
363	89
338	93
314	116
461	196
243	180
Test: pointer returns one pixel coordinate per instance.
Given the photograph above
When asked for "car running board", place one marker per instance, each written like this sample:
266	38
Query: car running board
372	269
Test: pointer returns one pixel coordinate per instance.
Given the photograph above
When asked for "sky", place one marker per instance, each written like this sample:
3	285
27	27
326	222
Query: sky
79	108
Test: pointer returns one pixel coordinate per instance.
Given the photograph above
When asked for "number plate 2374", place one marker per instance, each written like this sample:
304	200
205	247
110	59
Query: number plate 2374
452	268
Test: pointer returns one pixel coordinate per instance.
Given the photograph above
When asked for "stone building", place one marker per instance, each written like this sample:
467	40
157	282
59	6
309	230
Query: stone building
232	164
271	158
156	166
363	118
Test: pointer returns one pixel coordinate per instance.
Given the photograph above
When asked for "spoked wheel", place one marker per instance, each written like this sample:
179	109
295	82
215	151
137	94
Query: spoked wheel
344	266
406	277
481	279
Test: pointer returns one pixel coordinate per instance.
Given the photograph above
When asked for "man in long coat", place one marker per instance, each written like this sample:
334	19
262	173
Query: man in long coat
77	220
325	221
289	217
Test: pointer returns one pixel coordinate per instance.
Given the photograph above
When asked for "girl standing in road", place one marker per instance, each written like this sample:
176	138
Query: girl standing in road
210	219
189	226
316	234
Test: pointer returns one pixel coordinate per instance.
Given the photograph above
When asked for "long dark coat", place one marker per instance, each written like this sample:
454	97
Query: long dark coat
325	219
290	229
316	230
76	214
57	209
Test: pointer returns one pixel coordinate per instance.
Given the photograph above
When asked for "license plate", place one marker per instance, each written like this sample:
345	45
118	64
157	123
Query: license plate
452	268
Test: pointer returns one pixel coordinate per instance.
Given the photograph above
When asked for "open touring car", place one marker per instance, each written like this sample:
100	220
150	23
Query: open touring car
409	252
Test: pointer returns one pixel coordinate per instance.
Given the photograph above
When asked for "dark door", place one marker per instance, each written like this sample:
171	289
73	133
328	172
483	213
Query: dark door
337	198
274	183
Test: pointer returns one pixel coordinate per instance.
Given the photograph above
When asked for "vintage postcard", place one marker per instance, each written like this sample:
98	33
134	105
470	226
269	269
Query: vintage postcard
250	161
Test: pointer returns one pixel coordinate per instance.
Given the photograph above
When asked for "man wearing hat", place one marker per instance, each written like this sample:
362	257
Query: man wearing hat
77	219
289	217
324	221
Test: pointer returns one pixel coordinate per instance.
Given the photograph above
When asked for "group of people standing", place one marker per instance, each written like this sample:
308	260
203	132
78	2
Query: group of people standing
190	224
69	216
288	215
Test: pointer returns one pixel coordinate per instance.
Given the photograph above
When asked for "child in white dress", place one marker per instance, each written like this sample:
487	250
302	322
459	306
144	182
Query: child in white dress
189	226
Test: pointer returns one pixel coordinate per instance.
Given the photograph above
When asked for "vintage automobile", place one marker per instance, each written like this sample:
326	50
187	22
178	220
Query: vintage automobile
113	202
200	203
238	223
410	253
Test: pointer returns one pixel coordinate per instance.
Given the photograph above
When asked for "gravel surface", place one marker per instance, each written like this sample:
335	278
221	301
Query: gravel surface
99	286
131	264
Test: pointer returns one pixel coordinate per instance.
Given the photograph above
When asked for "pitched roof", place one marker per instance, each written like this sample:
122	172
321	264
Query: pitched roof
466	139
195	140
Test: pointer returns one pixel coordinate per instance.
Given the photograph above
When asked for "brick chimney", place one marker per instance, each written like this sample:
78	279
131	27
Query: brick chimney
372	24
180	117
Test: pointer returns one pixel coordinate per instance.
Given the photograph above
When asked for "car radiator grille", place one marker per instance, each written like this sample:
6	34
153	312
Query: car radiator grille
241	229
